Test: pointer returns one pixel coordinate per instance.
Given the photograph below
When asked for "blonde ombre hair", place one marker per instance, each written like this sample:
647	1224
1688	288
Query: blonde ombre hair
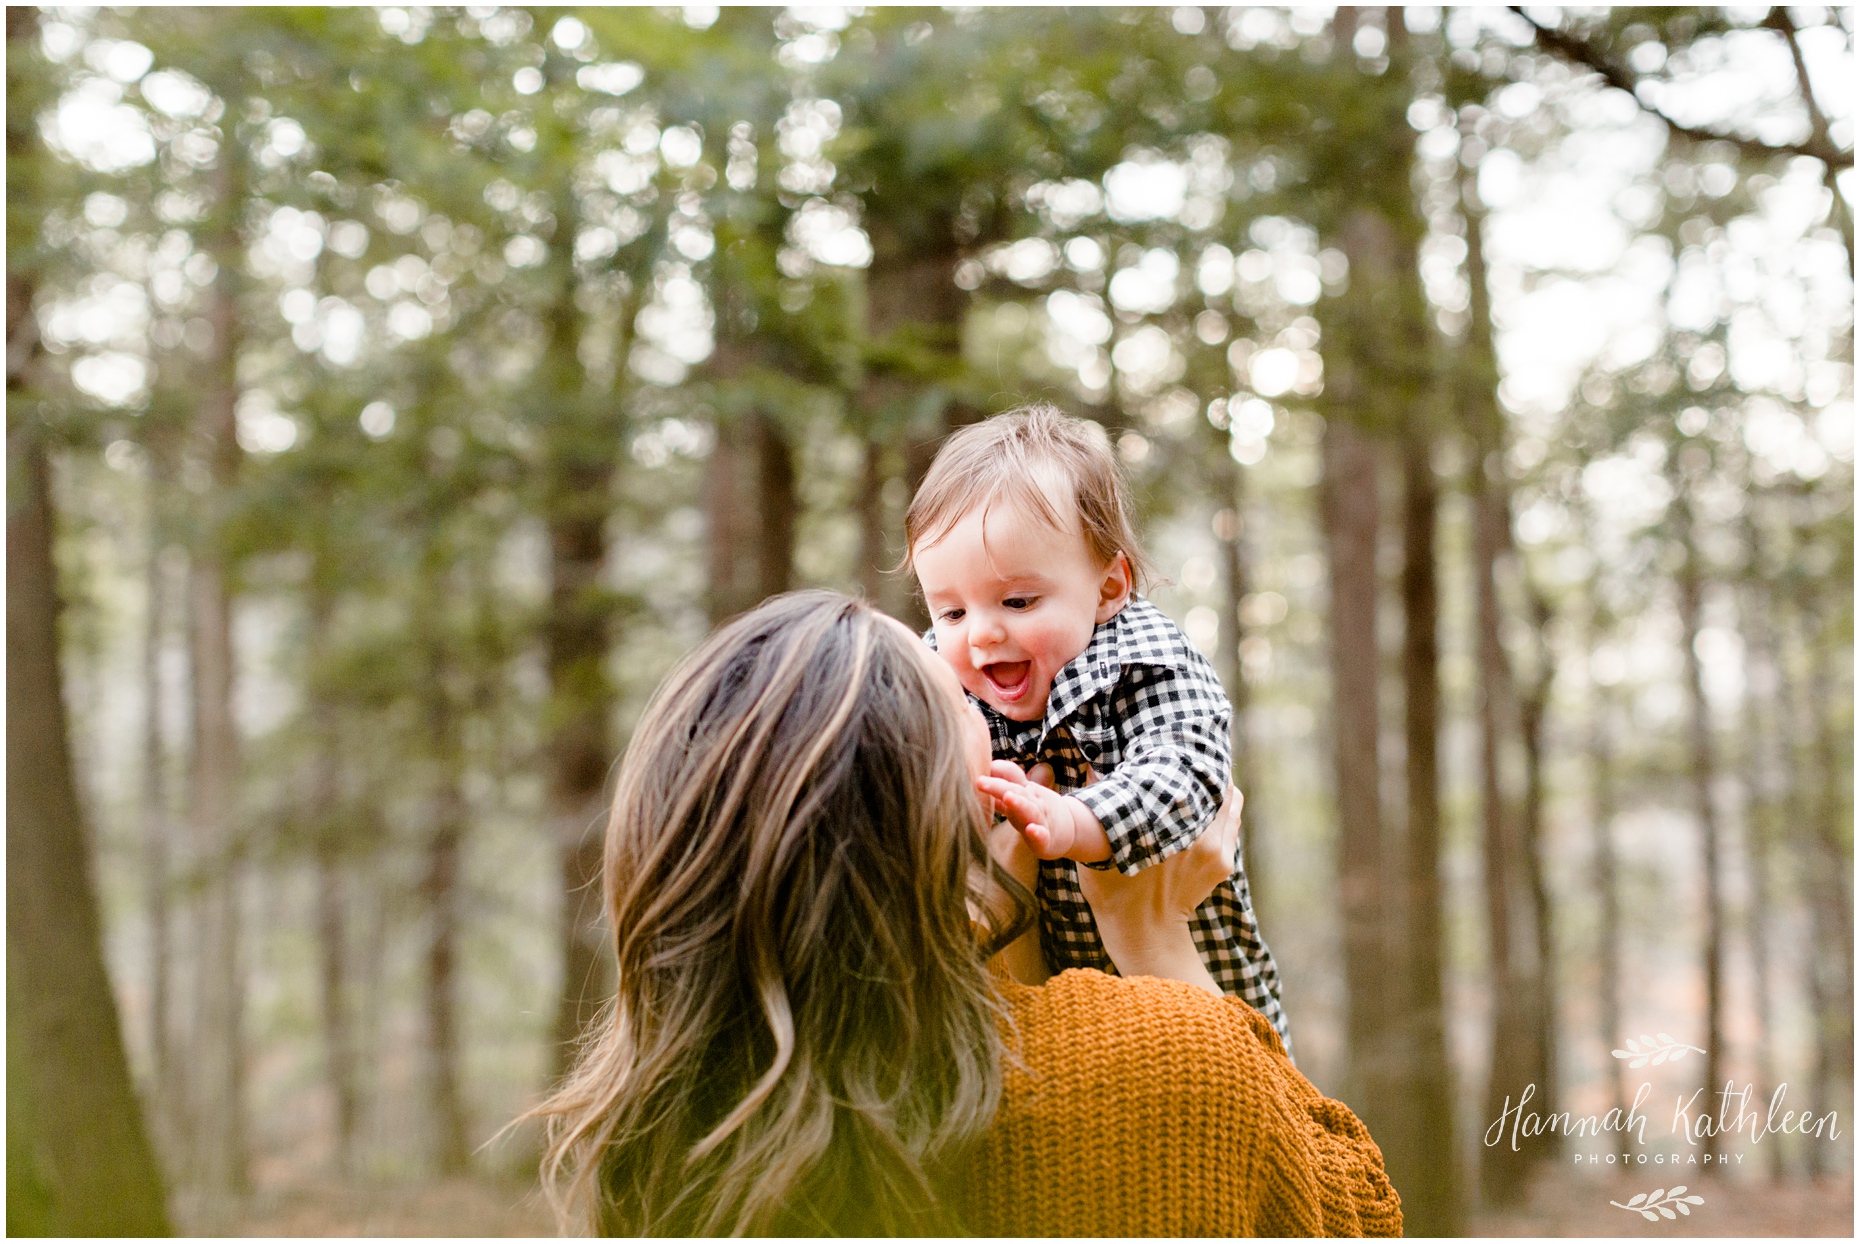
1030	457
804	1037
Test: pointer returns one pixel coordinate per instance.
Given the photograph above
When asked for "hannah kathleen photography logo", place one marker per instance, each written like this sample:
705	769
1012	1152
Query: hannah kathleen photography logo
1649	1050
1702	1129
1660	1203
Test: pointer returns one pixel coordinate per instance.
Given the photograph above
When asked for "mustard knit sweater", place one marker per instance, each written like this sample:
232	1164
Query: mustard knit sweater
1146	1107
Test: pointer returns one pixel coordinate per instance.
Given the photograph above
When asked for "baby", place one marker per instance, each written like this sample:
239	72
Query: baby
1021	540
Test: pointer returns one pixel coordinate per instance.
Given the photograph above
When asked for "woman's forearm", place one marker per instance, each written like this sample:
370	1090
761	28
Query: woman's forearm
1144	918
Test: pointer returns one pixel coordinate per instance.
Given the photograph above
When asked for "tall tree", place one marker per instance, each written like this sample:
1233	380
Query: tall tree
156	813
1350	502
1702	750
332	902
220	1118
1431	1167
440	885
1829	861
1601	746
1534	851
78	1158
579	420
1760	813
1379	391
1510	919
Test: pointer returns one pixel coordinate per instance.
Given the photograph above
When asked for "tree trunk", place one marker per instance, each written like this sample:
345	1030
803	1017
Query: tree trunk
1831	867
376	927
1704	774
1508	908
219	1111
1532	708
576	638
1606	873
155	817
78	1161
1231	564
873	559
1351	501
777	506
1509	916
219	1020
726	592
912	300
439	887
1760	831
578	758
1431	1204
1381	384
445	1108
331	902
332	974
1794	742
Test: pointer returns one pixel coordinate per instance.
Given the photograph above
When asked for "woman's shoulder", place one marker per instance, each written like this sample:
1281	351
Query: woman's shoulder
1085	1032
1132	1007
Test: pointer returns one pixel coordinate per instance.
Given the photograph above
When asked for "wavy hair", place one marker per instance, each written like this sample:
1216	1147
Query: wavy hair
804	1036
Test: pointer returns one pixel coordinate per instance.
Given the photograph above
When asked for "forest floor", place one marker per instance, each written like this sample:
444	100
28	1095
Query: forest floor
448	1207
1566	1206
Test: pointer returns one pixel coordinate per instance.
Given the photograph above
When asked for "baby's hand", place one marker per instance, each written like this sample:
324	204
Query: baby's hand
1055	826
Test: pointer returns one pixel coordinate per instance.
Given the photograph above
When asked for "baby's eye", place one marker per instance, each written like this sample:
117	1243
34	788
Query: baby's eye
1020	602
950	615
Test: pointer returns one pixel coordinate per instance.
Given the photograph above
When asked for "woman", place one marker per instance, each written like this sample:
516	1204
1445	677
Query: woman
809	1037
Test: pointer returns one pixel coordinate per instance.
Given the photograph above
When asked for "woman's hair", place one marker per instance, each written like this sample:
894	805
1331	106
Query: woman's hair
1032	456
804	1034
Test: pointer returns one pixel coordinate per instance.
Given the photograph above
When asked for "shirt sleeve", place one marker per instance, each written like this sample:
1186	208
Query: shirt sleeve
1174	724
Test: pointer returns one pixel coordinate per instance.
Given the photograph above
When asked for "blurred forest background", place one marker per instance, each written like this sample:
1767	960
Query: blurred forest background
393	393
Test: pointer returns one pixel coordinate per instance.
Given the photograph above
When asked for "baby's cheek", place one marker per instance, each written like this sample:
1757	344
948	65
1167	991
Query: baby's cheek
1052	645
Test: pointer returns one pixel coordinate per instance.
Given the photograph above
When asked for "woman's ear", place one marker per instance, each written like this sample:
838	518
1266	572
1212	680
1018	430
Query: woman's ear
1114	589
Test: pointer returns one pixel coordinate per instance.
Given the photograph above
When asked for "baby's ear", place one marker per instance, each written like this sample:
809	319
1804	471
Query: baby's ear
1114	588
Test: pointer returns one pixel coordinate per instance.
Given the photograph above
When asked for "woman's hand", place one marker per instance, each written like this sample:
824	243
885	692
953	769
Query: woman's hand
1021	957
1145	920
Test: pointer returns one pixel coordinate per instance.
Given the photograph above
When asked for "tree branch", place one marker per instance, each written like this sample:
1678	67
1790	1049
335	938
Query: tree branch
1580	51
1780	21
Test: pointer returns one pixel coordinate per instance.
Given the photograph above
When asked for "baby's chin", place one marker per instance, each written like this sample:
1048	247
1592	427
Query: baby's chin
1021	712
1027	709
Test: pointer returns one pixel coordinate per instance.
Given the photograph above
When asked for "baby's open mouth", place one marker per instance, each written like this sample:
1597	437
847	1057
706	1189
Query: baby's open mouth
1009	679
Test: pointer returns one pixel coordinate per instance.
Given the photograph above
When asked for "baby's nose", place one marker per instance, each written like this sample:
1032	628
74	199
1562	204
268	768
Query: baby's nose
987	631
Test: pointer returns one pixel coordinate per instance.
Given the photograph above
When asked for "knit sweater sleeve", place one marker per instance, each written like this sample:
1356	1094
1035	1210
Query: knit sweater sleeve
1324	1175
1143	1107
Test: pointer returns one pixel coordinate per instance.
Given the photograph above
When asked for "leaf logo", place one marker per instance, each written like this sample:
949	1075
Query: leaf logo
1661	1202
1655	1051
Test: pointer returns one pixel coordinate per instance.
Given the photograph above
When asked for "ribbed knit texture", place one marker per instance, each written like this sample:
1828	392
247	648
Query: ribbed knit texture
1145	1107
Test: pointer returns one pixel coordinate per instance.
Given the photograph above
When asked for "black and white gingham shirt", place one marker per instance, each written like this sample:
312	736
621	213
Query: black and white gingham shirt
1145	711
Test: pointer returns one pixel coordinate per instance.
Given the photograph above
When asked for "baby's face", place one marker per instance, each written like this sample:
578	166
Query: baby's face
977	747
1014	604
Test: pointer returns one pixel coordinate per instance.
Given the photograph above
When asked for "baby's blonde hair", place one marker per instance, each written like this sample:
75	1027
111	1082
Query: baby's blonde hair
1010	457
